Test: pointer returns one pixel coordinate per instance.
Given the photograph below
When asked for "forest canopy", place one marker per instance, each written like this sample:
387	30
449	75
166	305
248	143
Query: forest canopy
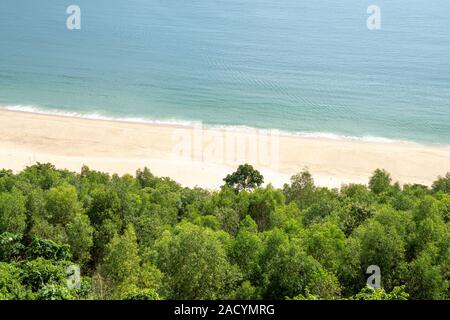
147	238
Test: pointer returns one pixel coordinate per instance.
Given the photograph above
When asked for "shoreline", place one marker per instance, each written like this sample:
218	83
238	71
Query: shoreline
203	156
191	123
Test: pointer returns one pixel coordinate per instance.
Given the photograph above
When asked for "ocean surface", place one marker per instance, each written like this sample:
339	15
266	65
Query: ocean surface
310	67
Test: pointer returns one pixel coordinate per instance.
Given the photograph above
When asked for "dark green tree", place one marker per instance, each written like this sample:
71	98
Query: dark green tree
442	184
195	265
12	212
380	181
301	190
244	178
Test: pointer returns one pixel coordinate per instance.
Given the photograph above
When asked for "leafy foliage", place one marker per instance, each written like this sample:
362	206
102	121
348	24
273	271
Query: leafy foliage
380	181
148	238
398	293
12	212
244	178
10	246
49	250
38	273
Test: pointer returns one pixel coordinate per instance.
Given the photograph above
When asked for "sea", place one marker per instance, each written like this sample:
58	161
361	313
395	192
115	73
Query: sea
306	67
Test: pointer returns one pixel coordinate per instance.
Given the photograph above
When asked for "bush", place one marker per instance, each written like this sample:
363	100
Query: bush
141	294
12	212
442	184
397	293
38	273
380	181
10	283
48	250
10	246
54	292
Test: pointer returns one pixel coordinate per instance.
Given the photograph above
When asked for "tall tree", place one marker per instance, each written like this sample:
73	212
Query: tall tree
244	178
121	264
12	212
380	181
195	265
301	190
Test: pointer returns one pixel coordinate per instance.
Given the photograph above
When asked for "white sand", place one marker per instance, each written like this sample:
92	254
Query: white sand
203	157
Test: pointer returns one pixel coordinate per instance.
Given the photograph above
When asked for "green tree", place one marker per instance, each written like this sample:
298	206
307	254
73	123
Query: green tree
425	278
322	204
352	215
48	249
262	206
121	265
146	178
444	207
384	247
11	287
140	294
38	273
12	212
208	221
442	184
80	238
7	180
357	193
54	292
246	251
288	271
43	175
244	178
103	211
301	190
380	181
62	204
397	293
430	227
327	244
10	246
229	219
194	262
246	292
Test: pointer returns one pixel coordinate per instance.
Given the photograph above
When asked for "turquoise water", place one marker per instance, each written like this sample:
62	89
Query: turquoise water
300	66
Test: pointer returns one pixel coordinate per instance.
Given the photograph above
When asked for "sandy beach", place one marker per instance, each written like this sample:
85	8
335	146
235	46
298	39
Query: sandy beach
198	156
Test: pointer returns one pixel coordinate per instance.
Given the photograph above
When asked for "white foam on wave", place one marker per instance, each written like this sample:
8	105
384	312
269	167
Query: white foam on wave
313	135
334	136
186	123
96	116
